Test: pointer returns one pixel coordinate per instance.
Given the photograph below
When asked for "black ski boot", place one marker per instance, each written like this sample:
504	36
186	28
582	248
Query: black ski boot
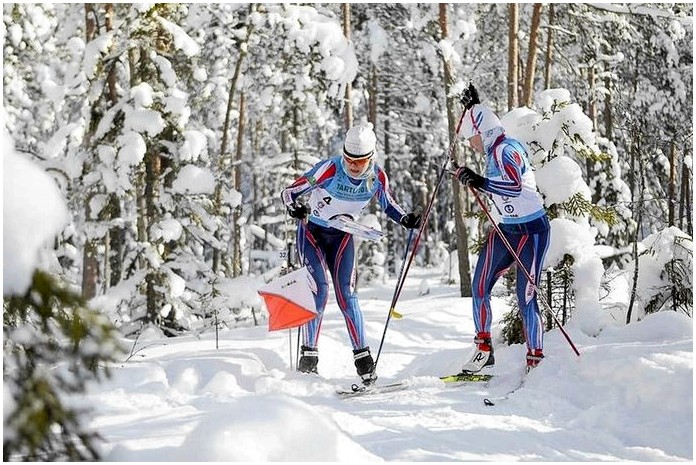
365	365
309	358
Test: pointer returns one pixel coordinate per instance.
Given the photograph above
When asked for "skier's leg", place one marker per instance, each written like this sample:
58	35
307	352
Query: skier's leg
531	250
340	260
312	256
341	264
493	260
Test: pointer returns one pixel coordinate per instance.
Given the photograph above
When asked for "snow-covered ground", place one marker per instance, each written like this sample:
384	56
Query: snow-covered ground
628	397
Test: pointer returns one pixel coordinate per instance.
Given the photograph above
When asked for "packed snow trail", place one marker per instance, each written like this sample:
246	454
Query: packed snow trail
628	397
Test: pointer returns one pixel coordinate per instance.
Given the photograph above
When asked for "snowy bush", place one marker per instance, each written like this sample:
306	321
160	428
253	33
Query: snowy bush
665	274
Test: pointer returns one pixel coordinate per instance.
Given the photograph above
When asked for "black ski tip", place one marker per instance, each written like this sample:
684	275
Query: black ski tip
488	402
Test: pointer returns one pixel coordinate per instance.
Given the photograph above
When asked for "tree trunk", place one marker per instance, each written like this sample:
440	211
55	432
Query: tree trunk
116	241
592	114
348	109
549	47
391	249
636	168
236	215
672	187
608	114
685	211
224	164
459	191
372	118
90	263
591	106
153	171
528	91
513	54
372	91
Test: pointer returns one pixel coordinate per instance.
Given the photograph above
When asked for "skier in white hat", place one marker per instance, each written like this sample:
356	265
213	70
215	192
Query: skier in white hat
342	185
510	183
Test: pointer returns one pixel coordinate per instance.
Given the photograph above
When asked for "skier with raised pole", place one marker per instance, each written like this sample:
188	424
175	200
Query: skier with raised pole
510	183
340	186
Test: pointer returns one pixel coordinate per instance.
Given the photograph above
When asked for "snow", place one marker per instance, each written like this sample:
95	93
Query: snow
182	41
132	149
379	40
663	247
560	179
29	221
194	180
94	50
144	121
628	397
194	145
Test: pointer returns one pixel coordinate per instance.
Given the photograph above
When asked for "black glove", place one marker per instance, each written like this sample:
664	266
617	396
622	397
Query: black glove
469	177
410	221
469	97
298	210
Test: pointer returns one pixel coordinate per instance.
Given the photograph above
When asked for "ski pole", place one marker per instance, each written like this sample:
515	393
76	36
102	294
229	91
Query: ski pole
523	268
424	222
393	312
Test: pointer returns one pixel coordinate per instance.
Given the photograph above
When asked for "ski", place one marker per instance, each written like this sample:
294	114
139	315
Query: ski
466	378
491	401
362	390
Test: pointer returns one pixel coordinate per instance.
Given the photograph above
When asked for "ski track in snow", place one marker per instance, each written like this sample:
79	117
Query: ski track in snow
628	397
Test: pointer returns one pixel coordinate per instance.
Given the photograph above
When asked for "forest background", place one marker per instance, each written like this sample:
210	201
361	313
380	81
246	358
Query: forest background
171	129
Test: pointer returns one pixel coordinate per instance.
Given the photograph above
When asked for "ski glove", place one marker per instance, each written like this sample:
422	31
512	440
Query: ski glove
298	210
469	177
410	221
469	97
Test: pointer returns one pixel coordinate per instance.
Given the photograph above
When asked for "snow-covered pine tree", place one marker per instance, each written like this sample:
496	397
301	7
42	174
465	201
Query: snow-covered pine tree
559	136
42	373
53	344
145	141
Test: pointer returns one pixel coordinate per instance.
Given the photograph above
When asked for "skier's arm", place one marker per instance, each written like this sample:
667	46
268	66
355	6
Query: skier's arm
386	200
511	183
319	173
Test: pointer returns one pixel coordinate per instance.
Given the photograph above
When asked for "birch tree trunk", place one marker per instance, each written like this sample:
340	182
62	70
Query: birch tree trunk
460	194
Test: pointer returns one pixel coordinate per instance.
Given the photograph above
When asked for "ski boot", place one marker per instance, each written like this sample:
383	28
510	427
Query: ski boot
533	358
365	366
309	358
483	356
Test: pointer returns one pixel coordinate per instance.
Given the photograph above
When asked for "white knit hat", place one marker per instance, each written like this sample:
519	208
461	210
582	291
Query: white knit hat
479	120
360	141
